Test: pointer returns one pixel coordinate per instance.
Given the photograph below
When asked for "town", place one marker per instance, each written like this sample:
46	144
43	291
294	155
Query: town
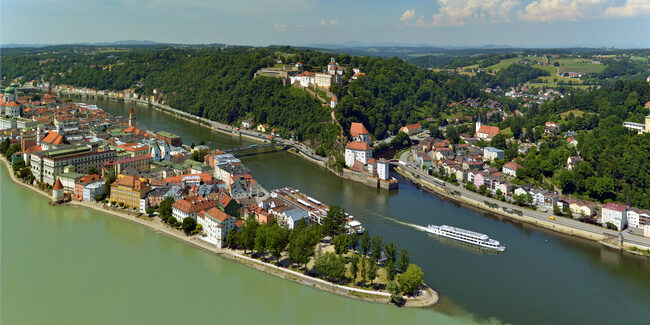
79	153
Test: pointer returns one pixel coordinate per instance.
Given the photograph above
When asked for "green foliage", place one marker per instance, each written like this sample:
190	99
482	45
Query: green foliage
395	296
277	238
341	244
365	243
334	223
376	248
189	225
165	208
92	170
331	266
372	269
302	243
404	260
354	267
391	251
411	279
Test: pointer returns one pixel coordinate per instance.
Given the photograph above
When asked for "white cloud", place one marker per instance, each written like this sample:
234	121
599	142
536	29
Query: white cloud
463	12
631	8
561	10
281	27
408	15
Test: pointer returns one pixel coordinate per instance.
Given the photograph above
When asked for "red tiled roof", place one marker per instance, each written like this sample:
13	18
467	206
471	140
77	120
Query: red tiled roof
357	129
215	213
491	131
413	126
358	145
53	138
57	185
614	206
194	204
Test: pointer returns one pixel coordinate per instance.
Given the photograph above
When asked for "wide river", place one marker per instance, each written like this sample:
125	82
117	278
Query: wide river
67	265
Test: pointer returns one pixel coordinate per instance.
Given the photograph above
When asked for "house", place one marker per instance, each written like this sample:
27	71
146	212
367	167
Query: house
572	162
334	102
359	133
490	153
633	217
262	127
190	206
247	124
87	187
382	169
551	128
357	151
411	129
511	168
47	165
572	141
616	214
216	225
485	132
128	190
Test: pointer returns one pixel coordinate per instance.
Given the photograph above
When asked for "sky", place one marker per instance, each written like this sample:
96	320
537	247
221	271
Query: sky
520	23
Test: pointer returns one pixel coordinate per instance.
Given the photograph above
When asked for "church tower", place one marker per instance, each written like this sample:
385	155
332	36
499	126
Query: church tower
132	117
478	123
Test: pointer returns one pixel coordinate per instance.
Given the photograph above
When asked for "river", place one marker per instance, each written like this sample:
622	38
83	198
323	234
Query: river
541	278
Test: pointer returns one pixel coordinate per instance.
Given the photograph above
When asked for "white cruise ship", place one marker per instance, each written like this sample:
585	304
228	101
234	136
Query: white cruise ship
466	236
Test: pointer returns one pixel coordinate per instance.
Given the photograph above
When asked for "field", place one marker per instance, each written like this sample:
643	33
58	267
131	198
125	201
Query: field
576	113
507	62
578	65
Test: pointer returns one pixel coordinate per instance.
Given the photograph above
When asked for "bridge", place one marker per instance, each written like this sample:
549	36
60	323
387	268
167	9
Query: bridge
256	146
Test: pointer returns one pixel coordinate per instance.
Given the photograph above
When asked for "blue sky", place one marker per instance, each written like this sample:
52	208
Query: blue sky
528	23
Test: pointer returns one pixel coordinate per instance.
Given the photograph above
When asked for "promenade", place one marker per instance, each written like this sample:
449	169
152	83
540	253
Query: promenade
539	218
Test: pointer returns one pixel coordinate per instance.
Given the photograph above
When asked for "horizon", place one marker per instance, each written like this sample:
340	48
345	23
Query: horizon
443	23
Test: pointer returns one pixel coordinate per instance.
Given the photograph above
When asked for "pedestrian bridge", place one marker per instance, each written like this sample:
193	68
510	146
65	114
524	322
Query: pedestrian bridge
279	146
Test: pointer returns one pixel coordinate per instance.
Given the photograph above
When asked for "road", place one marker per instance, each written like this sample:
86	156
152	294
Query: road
541	215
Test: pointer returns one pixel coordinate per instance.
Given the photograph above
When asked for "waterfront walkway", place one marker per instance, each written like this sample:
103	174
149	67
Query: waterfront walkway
541	218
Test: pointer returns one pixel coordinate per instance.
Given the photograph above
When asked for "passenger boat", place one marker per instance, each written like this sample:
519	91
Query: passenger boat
466	236
353	226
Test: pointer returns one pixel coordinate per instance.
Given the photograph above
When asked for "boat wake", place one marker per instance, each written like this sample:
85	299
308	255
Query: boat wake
412	225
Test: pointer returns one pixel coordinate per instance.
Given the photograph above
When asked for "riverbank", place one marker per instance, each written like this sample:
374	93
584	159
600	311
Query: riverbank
603	239
229	130
428	297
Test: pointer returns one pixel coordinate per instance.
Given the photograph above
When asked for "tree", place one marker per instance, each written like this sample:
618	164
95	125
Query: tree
334	223
92	170
165	208
391	252
302	244
395	296
341	244
364	269
233	239
4	145
189	224
276	240
110	178
376	248
403	260
390	269
249	231
354	241
330	265
499	142
411	280
260	238
354	267
172	220
372	270
365	243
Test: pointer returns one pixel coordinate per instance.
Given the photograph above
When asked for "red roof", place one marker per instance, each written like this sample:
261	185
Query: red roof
58	185
194	204
334	99
53	138
358	145
491	131
357	129
132	111
615	207
215	214
413	126
512	165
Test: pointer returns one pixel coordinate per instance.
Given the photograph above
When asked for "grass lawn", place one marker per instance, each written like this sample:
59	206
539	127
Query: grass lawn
576	112
553	85
578	65
507	132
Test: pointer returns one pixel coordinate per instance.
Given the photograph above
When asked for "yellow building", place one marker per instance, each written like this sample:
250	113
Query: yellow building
128	190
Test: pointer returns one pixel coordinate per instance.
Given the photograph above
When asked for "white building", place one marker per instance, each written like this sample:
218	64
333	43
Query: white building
190	206
357	150
383	169
490	154
216	225
616	214
93	189
633	217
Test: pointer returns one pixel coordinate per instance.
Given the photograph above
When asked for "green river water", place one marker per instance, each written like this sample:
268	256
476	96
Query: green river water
67	265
